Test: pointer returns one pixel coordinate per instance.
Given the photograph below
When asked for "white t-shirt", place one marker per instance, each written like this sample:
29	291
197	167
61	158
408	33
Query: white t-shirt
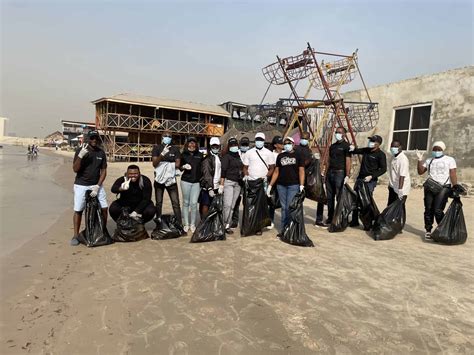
217	171
257	169
439	168
399	166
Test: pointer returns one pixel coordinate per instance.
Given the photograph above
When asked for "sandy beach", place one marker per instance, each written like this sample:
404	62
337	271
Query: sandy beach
254	295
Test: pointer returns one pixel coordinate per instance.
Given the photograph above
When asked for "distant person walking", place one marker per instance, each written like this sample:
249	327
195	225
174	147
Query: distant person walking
90	166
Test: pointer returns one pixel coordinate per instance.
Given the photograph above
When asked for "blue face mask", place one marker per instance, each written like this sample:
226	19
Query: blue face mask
166	140
288	147
244	148
259	144
394	150
437	154
215	150
234	149
338	136
304	142
371	144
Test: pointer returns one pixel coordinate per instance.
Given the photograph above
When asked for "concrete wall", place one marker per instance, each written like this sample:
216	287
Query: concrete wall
3	126
452	116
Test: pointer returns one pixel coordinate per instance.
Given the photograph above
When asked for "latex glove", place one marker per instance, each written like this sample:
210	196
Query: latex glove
95	190
220	191
125	185
301	188
419	155
346	180
135	215
245	178
352	148
83	152
187	167
165	151
400	194
212	193
368	178
269	190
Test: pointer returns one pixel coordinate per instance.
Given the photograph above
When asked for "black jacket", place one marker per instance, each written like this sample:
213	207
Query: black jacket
232	166
208	169
194	159
373	163
137	197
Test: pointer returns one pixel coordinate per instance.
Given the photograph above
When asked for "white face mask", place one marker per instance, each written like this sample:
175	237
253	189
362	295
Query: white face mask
371	144
259	144
338	136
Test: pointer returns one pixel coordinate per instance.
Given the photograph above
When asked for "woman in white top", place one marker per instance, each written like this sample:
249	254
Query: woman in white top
442	169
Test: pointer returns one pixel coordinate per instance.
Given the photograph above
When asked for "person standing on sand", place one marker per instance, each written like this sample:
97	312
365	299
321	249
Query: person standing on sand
90	166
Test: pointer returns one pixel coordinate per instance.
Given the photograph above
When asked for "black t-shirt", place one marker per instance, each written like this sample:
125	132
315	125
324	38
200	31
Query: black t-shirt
373	163
338	152
194	159
288	166
91	165
171	156
231	167
305	153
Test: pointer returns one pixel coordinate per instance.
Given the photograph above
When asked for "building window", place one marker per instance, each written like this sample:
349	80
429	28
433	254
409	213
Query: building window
412	125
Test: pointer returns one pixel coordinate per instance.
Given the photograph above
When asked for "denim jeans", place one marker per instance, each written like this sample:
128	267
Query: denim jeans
286	194
190	192
231	193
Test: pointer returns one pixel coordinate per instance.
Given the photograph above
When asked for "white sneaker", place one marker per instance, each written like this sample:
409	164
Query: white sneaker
271	226
428	236
186	228
192	228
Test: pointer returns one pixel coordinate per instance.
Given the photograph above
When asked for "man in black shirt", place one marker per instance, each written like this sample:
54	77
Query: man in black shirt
135	195
339	167
166	159
373	165
90	166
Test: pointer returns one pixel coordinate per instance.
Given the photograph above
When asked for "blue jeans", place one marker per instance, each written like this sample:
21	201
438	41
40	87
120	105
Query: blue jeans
190	193
286	194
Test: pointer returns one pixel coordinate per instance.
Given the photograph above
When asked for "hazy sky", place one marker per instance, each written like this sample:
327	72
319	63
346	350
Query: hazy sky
57	56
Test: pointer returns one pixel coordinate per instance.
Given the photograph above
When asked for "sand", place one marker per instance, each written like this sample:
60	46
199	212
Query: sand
253	295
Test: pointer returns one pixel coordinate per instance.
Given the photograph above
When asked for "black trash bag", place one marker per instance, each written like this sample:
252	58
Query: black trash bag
452	228
255	208
314	186
129	229
211	228
368	211
294	232
274	199
390	222
167	227
346	203
95	233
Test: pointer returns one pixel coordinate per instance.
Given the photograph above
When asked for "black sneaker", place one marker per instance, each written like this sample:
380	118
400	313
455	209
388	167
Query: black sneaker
321	224
234	225
354	224
229	231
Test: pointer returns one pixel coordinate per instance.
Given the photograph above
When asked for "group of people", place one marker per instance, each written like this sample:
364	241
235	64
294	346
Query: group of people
33	150
226	169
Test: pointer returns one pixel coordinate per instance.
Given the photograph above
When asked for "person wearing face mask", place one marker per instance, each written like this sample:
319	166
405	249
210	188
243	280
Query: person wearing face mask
373	165
191	160
442	169
243	148
289	176
277	144
210	177
231	176
166	158
303	149
399	182
259	163
338	172
135	194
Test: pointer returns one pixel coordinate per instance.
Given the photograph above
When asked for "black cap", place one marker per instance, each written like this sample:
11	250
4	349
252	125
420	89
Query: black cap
244	141
93	133
233	141
192	139
277	140
376	138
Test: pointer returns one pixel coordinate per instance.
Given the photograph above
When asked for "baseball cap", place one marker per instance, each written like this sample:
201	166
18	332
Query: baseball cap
215	141
289	139
376	138
277	140
244	141
260	135
192	139
93	133
233	141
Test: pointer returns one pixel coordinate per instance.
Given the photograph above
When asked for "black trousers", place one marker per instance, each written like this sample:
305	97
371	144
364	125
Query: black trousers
392	197
115	210
174	197
434	206
235	212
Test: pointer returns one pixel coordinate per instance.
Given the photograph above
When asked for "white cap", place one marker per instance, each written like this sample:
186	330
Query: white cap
289	139
215	141
260	135
439	144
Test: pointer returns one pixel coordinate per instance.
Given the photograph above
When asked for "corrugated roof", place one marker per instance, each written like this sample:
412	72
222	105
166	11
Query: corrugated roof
166	103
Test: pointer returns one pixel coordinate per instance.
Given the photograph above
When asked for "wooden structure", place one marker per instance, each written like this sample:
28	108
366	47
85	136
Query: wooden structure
147	118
